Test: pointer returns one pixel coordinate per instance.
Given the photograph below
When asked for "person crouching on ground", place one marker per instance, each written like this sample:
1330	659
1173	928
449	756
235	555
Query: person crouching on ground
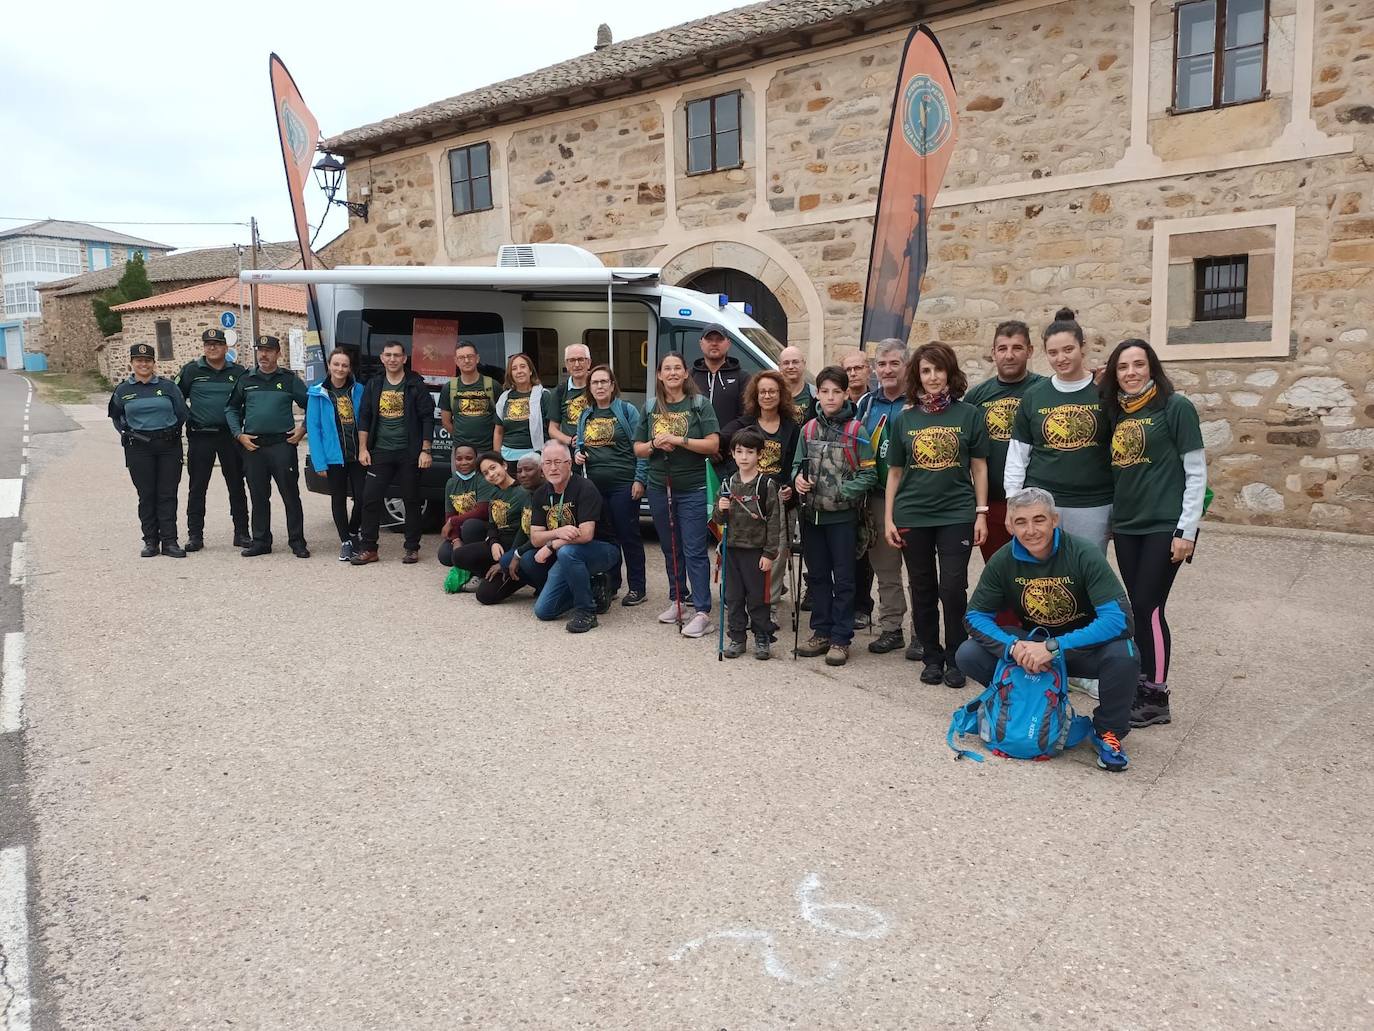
833	474
752	512
467	497
1062	584
495	557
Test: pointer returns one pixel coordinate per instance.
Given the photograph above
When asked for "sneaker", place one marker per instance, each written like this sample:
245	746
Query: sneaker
863	621
763	649
345	551
733	649
672	614
813	646
632	599
838	655
581	622
934	673
195	543
888	641
806	600
1151	707
362	558
954	677
1110	755
410	558
698	625
1085	685
601	592
915	651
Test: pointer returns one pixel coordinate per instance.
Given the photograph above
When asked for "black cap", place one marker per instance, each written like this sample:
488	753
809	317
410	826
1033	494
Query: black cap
266	343
714	327
213	336
141	351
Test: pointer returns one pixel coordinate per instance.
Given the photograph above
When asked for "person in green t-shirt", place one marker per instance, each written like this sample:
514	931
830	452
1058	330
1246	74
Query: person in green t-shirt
1159	467
1059	585
494	557
570	398
678	433
522	412
467	404
1060	438
937	501
467	495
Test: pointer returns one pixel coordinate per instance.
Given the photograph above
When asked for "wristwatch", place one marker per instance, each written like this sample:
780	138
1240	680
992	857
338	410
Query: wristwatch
1052	645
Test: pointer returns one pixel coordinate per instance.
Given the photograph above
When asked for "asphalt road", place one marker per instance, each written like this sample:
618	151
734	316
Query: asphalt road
278	794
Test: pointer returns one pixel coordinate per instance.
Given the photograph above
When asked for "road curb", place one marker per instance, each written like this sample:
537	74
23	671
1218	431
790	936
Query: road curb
1358	540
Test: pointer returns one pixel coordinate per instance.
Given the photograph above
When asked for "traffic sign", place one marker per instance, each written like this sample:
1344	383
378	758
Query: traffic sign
228	320
231	337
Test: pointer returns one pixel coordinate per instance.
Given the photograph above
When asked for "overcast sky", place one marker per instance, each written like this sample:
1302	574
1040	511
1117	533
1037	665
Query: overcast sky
167	117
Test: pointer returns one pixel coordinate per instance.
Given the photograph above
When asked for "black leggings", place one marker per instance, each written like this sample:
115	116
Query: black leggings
345	480
932	591
1148	573
471	532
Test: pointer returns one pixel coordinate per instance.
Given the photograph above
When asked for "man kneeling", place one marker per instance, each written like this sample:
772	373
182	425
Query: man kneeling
573	545
1057	582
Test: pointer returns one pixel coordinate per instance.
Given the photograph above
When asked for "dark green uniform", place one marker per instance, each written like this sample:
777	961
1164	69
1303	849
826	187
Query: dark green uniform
149	417
1147	464
208	439
260	406
692	417
473	408
999	403
1069	441
935	453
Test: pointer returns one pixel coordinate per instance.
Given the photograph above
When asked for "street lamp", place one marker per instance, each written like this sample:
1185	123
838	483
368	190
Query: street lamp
329	172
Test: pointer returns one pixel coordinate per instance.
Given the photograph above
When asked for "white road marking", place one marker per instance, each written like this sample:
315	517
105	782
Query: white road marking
12	678
18	566
24	470
14	938
11	491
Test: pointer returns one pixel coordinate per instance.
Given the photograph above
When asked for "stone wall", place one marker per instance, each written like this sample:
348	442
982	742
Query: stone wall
188	323
68	333
402	226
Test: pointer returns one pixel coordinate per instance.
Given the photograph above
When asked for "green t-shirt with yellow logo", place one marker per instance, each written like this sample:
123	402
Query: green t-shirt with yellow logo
1147	464
506	514
463	495
610	453
1069	440
515	424
391	418
473	407
934	454
999	403
692	417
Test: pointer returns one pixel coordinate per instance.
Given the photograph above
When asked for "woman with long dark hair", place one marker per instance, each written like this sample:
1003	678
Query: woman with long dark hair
1159	470
768	407
1060	437
937	501
678	434
331	420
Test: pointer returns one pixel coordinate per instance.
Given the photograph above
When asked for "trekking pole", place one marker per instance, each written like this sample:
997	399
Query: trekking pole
672	545
724	572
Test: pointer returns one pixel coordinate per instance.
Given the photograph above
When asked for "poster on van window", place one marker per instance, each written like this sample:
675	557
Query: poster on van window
432	342
920	142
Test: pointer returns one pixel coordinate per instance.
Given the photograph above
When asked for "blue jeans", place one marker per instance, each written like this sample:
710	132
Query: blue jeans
690	543
568	582
829	552
624	516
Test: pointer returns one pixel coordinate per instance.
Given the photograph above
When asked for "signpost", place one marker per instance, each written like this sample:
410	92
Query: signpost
228	320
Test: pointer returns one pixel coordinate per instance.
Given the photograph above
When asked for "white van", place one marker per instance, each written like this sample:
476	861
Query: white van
536	300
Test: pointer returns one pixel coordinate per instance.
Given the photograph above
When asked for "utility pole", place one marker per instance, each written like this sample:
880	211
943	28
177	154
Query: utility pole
253	288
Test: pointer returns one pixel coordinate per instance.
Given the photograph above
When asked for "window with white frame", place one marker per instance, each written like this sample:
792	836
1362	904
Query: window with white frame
21	299
14	257
30	256
100	256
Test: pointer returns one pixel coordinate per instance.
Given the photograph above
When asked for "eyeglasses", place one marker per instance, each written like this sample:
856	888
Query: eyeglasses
600	383
558	461
579	361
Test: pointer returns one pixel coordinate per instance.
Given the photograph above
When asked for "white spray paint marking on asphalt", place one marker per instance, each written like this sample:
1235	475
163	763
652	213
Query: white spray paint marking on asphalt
857	922
12	677
15	1005
11	491
18	555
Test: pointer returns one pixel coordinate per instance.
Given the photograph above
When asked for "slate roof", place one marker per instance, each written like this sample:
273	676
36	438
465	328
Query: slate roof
56	229
286	297
743	36
204	263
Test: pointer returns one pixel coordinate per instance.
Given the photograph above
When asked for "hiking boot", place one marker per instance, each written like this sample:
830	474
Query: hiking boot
1151	707
733	649
813	646
194	543
672	614
301	552
838	655
915	651
863	620
632	599
934	672
888	641
581	622
345	551
698	625
173	550
1110	755
954	677
150	550
763	649
601	593
242	540
410	558
254	550
362	558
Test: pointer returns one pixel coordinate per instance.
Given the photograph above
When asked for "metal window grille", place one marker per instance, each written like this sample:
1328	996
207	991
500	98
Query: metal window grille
1221	285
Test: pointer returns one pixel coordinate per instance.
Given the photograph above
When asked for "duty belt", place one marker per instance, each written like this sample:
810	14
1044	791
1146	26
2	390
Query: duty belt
263	439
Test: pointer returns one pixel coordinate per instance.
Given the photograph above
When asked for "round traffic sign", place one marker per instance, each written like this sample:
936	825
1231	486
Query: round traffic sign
231	337
228	320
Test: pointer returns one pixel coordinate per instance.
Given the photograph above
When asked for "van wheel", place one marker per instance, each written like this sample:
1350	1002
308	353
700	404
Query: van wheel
394	515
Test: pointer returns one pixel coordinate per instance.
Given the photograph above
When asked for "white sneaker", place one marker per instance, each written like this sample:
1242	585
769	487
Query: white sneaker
1088	687
698	625
671	614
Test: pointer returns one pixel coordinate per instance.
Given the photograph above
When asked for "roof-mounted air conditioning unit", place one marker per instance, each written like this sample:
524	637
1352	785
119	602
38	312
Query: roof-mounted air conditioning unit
545	255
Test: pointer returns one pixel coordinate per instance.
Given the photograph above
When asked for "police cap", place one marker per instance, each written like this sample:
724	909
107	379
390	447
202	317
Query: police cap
141	351
266	343
213	336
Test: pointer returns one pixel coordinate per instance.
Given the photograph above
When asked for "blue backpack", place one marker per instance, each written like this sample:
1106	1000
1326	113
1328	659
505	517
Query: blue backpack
1021	715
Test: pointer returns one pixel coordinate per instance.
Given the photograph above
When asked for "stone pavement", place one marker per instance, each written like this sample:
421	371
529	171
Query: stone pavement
279	794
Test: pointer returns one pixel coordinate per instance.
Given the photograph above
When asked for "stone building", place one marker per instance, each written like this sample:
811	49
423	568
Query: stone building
43	252
173	322
69	334
1198	173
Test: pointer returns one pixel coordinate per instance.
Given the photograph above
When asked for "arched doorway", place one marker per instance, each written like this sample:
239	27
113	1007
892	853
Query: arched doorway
740	286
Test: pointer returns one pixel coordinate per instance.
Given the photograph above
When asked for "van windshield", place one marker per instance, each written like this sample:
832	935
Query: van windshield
764	341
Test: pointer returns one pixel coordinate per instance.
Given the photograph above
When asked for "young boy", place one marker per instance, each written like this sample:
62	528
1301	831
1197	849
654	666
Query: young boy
833	473
749	508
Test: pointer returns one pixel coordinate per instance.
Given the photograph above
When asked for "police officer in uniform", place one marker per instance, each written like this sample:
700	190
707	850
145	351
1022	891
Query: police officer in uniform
149	411
259	416
206	384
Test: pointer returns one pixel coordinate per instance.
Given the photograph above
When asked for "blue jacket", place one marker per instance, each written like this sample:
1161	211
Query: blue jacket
322	426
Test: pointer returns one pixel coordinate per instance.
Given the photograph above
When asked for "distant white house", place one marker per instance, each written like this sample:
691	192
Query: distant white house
42	252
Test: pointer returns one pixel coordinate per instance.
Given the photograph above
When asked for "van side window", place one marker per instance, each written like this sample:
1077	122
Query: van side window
368	330
541	347
631	356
